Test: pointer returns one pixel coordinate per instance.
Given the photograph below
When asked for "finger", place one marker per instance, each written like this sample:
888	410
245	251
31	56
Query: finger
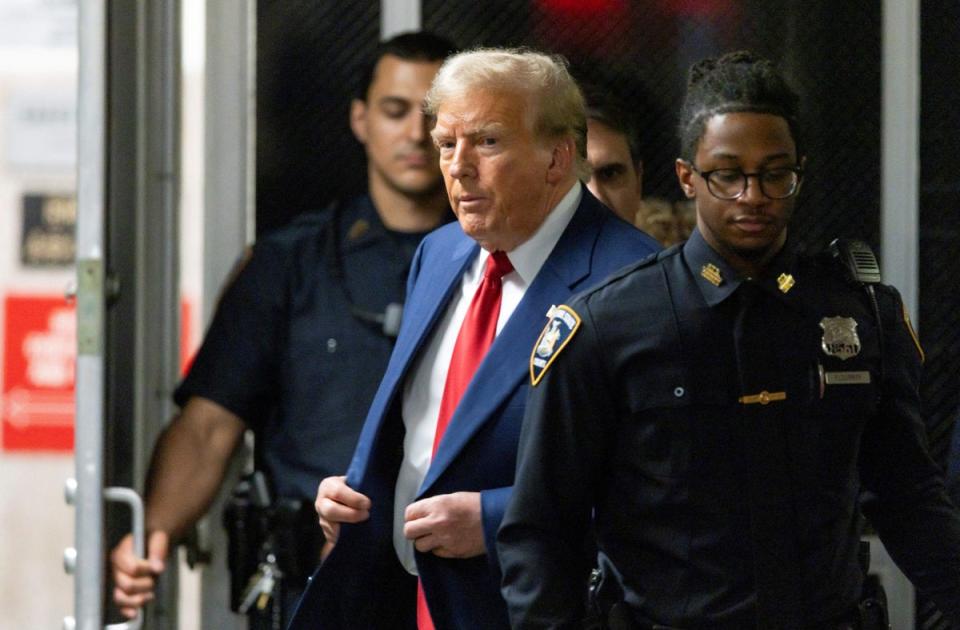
336	488
426	544
331	531
420	509
322	489
325	551
124	560
158	546
335	512
130	565
413	530
129	613
444	552
132	585
131	601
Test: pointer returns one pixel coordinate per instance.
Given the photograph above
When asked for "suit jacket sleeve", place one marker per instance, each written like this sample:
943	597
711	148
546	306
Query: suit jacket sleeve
493	504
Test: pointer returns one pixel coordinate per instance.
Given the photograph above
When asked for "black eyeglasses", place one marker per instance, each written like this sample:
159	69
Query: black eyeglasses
731	183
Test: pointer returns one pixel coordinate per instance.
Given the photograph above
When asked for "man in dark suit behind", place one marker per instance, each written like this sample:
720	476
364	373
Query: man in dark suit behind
432	473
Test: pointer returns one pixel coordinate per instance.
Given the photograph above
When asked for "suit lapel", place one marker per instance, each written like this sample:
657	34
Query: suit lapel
506	365
439	277
432	294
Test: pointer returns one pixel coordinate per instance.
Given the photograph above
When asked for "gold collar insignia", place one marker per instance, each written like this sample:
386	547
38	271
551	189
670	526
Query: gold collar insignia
712	274
785	282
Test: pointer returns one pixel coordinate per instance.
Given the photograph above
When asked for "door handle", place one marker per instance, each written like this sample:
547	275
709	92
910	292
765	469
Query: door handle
135	503
133	500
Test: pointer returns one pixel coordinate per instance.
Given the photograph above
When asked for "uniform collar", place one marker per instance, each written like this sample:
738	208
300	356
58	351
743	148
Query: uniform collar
779	279
718	280
715	277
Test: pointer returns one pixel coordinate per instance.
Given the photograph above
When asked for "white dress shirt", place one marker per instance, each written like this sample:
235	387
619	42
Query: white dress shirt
424	385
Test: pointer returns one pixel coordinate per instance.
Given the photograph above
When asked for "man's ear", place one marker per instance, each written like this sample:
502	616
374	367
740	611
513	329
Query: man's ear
562	160
358	120
685	176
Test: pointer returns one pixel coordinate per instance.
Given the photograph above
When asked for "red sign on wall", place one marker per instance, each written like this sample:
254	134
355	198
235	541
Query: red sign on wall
40	347
38	373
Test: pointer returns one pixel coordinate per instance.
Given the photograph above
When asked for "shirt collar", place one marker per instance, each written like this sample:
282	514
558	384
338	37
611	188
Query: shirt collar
528	257
777	278
718	280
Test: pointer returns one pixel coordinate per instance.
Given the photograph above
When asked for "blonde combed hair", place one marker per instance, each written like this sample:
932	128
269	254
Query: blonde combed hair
558	103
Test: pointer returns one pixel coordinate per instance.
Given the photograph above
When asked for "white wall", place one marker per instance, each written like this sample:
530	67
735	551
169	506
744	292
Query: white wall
38	65
37	85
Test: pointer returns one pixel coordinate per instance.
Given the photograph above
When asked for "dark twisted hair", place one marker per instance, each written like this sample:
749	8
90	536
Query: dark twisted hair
736	82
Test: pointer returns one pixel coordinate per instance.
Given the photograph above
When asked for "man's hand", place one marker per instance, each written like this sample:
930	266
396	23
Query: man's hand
448	525
135	577
338	503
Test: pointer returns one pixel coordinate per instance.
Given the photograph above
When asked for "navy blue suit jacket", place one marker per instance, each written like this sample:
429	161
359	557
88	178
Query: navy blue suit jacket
361	584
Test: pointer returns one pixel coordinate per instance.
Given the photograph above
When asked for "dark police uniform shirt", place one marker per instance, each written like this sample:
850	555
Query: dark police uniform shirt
286	354
636	414
953	462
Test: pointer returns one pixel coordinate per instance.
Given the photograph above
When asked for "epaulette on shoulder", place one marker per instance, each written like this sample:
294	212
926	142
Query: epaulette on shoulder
306	226
312	218
650	260
303	230
307	220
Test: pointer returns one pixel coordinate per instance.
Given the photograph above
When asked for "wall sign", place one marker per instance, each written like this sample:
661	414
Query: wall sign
38	373
49	225
40	348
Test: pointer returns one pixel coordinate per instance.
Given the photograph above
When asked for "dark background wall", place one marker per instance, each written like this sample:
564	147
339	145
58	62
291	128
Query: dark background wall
940	213
309	53
939	229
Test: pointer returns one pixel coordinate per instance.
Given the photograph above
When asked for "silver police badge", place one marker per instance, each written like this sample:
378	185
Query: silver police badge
840	337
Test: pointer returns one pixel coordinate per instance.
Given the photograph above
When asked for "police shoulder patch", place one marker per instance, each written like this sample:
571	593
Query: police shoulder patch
558	332
913	333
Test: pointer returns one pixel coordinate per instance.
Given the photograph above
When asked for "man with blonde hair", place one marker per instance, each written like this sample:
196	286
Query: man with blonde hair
410	528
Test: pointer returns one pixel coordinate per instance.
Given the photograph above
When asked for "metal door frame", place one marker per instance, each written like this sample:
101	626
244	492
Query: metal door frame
148	289
127	280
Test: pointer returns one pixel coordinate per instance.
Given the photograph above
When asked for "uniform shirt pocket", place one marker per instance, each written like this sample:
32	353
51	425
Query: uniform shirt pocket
657	438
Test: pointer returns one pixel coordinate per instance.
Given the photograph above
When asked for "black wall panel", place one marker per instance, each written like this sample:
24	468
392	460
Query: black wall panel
310	52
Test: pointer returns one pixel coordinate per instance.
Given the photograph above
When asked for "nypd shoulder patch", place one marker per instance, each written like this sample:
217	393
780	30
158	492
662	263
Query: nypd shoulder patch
913	333
558	332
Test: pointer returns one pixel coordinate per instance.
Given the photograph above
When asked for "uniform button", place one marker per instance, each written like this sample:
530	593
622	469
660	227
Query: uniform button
679	392
331	345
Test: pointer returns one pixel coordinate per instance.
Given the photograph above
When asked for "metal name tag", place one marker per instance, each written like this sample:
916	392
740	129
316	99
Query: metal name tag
847	378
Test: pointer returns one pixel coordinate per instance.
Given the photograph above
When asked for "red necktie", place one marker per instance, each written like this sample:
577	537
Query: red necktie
474	339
